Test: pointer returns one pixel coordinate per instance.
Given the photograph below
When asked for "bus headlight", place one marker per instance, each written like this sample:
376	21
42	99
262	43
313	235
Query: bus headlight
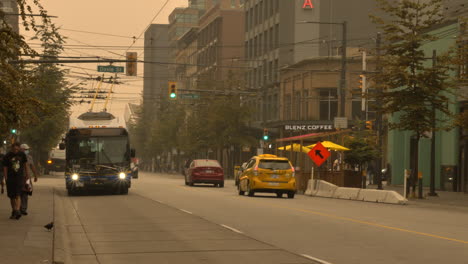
75	177
122	175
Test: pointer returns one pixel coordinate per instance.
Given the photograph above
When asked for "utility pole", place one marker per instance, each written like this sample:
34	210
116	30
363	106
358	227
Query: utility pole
433	139
342	91
363	88
379	119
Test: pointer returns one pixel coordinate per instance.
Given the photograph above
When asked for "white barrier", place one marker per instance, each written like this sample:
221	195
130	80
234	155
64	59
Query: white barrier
347	193
322	188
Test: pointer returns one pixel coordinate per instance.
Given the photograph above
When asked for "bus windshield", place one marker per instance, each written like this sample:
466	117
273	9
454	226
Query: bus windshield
98	150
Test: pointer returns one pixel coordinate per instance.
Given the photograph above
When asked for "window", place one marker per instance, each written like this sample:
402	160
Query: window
275	71
260	12
270	40
305	105
276	36
287	107
297	106
328	103
274	164
270	71
233	3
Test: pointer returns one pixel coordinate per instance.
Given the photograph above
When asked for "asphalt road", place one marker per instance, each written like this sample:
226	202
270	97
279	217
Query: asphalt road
164	221
335	231
134	228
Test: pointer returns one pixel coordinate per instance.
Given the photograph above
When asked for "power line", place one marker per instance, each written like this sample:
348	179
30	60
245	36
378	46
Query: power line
152	20
96	33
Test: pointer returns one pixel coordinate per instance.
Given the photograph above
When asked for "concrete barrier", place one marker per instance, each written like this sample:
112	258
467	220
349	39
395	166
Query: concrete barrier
322	188
325	189
369	195
381	196
346	193
395	198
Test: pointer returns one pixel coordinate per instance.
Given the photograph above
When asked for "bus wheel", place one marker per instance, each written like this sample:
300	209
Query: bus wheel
124	191
71	192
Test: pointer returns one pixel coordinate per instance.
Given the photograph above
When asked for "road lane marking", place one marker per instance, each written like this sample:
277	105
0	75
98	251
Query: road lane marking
232	229
373	224
185	211
315	259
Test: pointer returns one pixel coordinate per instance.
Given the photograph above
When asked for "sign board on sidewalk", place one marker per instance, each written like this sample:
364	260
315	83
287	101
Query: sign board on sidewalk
110	68
319	154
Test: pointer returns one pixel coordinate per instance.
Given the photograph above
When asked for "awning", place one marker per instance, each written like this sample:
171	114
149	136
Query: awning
313	136
331	146
295	148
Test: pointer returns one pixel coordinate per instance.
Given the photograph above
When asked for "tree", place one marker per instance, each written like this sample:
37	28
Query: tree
363	150
16	80
53	91
405	88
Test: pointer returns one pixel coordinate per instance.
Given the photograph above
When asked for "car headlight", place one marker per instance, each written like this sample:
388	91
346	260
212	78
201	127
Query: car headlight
75	177
122	175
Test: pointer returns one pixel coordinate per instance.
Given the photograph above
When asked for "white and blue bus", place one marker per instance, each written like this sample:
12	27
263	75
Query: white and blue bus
98	154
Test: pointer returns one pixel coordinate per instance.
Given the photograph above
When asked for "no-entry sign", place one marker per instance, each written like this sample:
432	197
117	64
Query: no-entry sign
319	154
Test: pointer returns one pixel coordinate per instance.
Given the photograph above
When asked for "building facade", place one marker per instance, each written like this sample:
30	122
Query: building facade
308	95
220	43
156	72
10	8
276	36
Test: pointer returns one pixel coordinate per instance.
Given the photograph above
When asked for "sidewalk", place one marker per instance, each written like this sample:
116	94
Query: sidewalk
444	198
25	241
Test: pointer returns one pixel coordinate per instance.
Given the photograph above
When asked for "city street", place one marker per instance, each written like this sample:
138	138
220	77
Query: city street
163	221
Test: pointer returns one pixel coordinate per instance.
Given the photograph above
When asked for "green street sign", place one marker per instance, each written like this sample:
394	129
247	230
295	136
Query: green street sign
189	96
110	68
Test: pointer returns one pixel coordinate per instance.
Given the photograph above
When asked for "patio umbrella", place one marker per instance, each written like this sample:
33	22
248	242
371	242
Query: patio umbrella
295	148
331	146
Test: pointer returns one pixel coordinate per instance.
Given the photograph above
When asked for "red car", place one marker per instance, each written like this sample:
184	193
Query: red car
204	171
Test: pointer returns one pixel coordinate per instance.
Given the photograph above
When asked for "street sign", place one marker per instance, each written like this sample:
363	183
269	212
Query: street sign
189	96
110	68
319	154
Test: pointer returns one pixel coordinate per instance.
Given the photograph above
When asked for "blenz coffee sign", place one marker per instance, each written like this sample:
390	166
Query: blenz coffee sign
307	127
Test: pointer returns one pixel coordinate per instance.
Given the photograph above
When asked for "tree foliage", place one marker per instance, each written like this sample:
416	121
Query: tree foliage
405	86
53	91
19	105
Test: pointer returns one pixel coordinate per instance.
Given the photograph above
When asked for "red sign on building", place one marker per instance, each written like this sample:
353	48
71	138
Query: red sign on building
307	4
319	154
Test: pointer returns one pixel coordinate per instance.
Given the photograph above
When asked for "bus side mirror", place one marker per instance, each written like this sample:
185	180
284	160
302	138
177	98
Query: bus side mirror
132	153
62	146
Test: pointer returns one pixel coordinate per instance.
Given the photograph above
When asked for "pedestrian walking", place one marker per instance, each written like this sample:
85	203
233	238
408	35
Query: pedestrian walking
28	189
15	175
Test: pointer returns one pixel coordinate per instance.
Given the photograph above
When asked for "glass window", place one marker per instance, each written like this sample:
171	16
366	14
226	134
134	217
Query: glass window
207	163
274	164
328	103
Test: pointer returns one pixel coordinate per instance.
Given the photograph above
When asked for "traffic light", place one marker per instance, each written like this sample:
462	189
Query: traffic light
172	90
265	134
362	81
369	125
14	131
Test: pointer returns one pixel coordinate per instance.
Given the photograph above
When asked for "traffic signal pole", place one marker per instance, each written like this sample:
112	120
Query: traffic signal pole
379	120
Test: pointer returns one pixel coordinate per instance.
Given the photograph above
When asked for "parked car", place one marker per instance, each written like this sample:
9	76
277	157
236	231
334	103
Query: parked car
239	172
204	171
268	174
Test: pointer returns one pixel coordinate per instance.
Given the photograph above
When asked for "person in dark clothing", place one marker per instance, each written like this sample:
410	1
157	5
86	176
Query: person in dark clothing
15	174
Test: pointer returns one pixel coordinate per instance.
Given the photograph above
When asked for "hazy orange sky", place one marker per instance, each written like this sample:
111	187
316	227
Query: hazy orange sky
117	17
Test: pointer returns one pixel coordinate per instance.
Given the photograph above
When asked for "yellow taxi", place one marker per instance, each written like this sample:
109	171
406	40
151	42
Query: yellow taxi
268	174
